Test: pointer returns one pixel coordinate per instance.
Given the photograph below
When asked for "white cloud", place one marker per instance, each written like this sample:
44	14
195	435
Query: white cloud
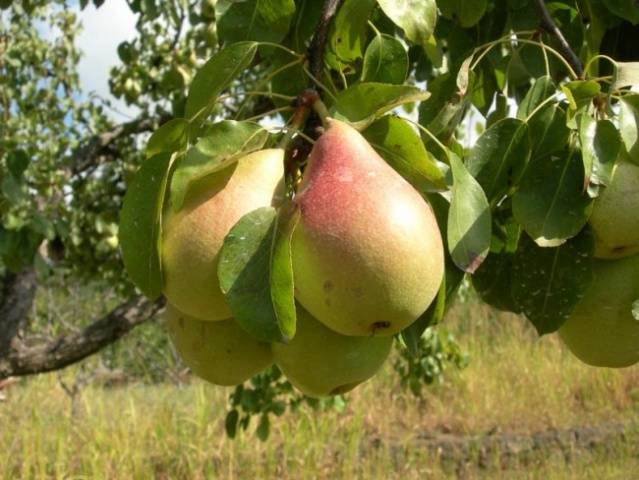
103	30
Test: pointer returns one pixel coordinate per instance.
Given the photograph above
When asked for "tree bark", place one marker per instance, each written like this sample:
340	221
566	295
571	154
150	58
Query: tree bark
57	353
16	299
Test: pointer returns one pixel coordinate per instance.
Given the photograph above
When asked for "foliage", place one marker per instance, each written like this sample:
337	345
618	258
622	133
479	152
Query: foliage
438	351
557	113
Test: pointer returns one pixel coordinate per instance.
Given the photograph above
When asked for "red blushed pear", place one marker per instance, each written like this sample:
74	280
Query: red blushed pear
367	253
193	236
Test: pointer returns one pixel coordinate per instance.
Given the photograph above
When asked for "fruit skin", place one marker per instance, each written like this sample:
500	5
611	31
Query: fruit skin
192	238
367	251
320	362
601	330
219	352
615	214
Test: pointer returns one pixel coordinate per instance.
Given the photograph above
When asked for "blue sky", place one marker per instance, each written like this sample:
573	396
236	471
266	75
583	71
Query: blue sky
103	30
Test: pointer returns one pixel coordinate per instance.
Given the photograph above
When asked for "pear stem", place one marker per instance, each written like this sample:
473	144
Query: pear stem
321	111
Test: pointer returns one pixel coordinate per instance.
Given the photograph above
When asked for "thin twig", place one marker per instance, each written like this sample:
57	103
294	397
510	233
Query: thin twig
550	26
318	42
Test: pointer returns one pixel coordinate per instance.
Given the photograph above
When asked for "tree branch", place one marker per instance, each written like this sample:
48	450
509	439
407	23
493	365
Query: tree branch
58	353
16	298
549	26
317	46
99	146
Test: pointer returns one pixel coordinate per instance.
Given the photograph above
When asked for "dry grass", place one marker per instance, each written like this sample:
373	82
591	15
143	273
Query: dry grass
515	382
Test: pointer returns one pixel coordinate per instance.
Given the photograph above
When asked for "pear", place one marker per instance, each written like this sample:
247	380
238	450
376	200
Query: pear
219	352
193	236
321	362
367	252
602	331
615	214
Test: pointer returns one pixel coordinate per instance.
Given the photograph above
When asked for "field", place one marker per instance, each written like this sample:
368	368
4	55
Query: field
509	414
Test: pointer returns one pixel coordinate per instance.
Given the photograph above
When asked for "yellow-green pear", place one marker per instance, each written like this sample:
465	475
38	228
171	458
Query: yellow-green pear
192	237
367	252
321	362
602	331
615	214
219	352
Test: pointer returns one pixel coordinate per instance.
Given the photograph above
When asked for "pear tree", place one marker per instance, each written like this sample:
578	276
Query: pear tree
322	179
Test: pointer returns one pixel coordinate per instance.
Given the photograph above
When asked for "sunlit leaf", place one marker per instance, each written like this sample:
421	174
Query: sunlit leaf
222	144
170	137
385	61
469	223
416	17
362	103
215	75
140	231
402	147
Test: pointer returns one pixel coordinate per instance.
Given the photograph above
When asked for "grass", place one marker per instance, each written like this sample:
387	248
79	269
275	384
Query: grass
515	383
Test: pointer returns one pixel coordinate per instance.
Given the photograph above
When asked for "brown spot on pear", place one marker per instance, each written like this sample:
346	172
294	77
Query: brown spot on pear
193	236
362	224
320	362
602	331
219	352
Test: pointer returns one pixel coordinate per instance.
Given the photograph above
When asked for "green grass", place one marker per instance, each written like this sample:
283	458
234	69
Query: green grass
515	382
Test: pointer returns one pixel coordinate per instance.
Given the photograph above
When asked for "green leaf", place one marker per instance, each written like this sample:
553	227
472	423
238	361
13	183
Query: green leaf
347	34
580	92
215	75
169	138
18	248
626	75
223	144
626	9
402	147
230	423
465	12
629	124
551	204
17	163
541	89
140	231
281	270
385	61
600	146
126	52
244	274
416	17
548	130
258	20
442	112
264	428
469	223
493	281
362	103
500	156
547	283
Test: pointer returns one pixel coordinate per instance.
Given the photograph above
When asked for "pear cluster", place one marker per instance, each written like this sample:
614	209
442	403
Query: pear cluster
602	330
367	259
